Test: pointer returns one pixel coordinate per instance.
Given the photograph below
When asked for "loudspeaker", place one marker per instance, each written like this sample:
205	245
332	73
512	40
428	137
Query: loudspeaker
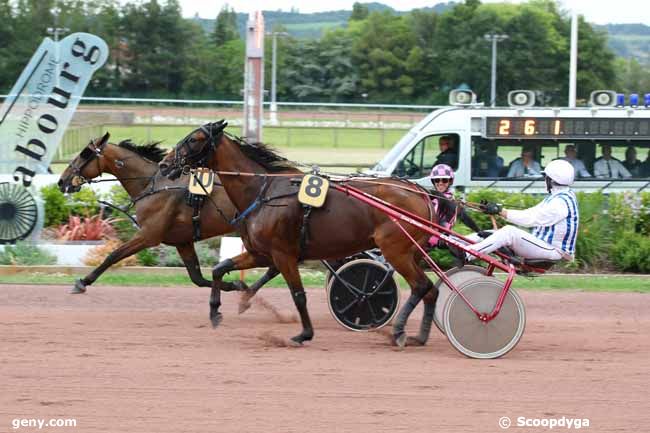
521	98
602	98
462	97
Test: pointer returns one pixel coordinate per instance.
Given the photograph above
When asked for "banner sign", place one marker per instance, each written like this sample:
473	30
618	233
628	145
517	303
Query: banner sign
41	104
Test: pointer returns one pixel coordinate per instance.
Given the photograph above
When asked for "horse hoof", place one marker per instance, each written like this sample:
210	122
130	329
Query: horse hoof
400	340
294	343
216	320
79	287
414	341
243	306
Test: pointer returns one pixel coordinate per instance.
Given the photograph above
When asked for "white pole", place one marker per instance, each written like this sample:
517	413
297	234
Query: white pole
493	84
274	106
573	65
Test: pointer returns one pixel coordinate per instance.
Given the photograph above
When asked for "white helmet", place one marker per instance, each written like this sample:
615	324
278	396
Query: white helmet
560	172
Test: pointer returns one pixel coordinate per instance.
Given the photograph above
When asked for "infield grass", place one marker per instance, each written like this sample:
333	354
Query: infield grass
315	278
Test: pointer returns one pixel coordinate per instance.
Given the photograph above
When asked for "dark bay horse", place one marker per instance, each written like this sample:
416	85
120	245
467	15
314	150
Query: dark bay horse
271	229
161	213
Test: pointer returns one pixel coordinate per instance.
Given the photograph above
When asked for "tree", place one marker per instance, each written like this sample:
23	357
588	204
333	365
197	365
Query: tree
380	54
359	12
225	28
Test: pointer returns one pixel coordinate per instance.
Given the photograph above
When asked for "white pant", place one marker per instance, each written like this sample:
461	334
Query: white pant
520	241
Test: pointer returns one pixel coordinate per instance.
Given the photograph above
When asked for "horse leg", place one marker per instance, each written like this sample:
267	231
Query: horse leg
427	320
406	264
244	301
288	266
242	261
191	261
137	243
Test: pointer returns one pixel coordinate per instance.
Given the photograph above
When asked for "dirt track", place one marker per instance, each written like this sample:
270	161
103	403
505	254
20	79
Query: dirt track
145	360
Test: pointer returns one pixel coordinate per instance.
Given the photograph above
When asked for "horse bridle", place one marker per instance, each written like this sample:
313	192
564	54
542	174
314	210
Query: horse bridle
87	155
198	157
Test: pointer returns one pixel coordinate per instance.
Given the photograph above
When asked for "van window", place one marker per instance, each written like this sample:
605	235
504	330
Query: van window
591	159
428	152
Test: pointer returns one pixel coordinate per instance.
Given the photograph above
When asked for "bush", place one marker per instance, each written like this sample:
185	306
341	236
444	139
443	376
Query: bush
123	225
631	252
84	202
58	206
24	254
55	204
148	257
165	255
97	255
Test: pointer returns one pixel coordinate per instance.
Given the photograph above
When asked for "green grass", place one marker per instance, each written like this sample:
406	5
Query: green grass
316	279
280	137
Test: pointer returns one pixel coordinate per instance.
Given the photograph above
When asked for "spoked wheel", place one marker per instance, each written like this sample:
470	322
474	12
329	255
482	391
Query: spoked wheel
477	339
458	277
18	213
362	304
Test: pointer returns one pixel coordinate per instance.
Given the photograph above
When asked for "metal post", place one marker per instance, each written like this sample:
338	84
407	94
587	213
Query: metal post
493	81
494	38
254	78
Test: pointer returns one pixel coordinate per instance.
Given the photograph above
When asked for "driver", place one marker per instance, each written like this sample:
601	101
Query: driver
554	221
444	205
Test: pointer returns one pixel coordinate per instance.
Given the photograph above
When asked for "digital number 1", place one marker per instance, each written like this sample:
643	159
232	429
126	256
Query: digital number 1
556	127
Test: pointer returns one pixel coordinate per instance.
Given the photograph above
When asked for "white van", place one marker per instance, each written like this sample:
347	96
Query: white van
491	142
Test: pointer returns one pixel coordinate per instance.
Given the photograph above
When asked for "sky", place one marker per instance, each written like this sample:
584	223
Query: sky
595	11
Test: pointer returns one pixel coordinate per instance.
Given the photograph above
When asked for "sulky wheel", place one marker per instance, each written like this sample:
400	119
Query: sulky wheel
18	213
475	338
458	277
362	304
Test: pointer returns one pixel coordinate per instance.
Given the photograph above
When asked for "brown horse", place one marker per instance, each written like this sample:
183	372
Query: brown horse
159	203
274	219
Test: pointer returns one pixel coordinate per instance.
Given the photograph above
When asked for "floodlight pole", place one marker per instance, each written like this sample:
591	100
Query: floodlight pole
494	38
56	31
573	60
273	115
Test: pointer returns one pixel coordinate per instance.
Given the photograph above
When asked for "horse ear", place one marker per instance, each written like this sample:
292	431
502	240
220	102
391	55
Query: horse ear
103	141
219	126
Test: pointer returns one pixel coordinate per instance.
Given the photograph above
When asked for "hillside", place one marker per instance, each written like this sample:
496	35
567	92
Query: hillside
313	25
626	40
629	41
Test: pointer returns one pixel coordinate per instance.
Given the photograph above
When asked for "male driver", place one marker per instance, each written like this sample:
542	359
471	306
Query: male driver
571	155
554	221
608	167
526	166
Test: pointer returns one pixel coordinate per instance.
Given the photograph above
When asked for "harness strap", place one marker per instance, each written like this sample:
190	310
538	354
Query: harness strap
259	200
304	229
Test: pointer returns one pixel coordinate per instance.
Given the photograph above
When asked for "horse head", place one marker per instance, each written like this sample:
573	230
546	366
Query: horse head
192	151
80	169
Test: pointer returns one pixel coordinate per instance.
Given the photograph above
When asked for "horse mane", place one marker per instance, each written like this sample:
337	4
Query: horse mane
151	151
263	154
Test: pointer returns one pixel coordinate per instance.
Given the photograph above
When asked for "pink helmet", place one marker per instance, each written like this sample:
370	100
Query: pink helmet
442	171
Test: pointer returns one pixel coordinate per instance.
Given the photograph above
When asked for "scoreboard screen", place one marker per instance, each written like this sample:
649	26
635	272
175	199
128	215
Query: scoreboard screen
576	127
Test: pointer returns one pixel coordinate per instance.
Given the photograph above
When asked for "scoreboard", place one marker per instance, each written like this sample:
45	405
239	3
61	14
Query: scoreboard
568	127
